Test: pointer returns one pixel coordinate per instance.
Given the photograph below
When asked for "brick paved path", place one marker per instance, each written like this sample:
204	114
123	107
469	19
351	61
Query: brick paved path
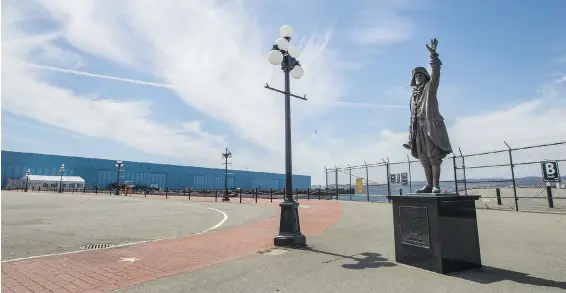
112	269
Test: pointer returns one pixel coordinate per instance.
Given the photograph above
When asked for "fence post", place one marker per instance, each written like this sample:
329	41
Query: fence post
410	175
464	169
240	195
455	174
319	192
367	181
271	195
184	192
388	177
215	195
350	186
308	194
498	195
549	195
336	178
190	190
326	176
256	195
513	176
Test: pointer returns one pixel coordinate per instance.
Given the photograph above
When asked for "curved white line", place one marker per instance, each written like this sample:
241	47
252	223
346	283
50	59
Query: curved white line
224	219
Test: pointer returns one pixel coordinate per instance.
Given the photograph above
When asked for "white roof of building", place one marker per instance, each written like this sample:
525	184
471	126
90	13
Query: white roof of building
66	179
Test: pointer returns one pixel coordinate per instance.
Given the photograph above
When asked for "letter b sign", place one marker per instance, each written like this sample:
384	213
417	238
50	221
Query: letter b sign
550	171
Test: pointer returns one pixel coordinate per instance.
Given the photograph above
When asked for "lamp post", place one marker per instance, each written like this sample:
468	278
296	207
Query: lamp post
285	55
62	169
119	165
227	154
28	172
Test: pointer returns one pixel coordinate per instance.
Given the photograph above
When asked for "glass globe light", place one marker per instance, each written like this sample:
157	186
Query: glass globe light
286	31
297	72
275	57
293	51
282	44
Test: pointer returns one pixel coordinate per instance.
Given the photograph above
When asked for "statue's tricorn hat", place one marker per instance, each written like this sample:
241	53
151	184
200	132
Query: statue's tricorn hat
419	70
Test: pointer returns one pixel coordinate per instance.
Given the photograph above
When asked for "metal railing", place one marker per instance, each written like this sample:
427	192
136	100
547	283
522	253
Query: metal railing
506	179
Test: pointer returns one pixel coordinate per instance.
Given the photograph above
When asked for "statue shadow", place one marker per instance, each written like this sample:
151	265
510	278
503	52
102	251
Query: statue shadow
488	275
364	260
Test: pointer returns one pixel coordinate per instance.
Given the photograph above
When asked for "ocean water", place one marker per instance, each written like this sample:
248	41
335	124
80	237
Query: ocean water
379	193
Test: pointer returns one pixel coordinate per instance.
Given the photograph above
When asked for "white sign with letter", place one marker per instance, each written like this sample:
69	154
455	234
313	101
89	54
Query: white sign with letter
550	171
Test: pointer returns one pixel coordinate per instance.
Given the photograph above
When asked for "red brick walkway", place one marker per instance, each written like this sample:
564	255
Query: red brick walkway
105	270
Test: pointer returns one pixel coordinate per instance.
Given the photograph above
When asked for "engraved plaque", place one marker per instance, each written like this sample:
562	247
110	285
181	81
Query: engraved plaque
414	226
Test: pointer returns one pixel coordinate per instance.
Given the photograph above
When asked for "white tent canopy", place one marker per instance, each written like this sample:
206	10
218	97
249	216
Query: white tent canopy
48	182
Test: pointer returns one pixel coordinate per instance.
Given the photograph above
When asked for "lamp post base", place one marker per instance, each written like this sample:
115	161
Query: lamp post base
289	227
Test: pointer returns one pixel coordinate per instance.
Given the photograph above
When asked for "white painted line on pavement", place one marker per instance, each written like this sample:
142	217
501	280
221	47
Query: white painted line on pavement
224	219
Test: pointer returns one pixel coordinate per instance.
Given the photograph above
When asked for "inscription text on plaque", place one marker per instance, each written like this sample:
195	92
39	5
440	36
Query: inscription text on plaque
414	226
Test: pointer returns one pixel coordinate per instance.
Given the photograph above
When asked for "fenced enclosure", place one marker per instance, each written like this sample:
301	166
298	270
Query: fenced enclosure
506	179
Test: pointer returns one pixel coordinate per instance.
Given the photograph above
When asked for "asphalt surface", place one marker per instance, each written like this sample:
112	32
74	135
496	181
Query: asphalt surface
521	252
41	223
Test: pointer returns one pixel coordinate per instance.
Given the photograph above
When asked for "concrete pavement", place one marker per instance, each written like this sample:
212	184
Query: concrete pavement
521	252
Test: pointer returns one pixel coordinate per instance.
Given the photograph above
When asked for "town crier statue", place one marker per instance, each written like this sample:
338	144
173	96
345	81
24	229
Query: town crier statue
428	138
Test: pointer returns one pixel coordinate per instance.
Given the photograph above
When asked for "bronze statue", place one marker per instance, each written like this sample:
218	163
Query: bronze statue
428	138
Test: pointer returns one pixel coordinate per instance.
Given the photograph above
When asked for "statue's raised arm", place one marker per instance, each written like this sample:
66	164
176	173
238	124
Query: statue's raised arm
435	64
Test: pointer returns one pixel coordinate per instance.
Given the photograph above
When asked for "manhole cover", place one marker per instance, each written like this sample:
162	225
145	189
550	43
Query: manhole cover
97	246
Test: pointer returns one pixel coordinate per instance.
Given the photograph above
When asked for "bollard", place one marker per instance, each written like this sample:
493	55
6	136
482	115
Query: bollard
84	189
190	190
215	195
256	195
400	191
308	194
319	191
166	192
271	194
498	195
549	195
240	195
184	192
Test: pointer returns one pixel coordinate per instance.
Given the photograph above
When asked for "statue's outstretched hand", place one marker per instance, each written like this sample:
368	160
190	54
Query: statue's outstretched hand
432	47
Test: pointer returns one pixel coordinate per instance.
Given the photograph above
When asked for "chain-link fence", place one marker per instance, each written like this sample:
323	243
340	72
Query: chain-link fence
521	179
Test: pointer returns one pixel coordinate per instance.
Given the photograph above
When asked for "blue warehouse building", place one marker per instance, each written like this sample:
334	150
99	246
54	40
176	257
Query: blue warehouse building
100	173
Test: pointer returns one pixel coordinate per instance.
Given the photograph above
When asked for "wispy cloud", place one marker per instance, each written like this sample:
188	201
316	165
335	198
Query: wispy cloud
103	76
170	86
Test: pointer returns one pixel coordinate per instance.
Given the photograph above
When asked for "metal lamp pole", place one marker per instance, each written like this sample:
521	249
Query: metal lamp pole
119	165
227	154
62	169
28	172
285	55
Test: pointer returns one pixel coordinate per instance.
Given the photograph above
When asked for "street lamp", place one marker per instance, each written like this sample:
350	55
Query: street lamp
62	170
285	55
28	172
227	154
119	164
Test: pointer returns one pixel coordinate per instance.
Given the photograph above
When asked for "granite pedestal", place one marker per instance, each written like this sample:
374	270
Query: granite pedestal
438	233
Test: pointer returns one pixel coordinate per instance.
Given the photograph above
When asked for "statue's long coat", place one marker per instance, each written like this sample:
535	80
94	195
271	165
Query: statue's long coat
435	127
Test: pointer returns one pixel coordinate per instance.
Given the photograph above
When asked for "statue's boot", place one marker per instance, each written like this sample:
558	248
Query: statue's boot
436	178
428	174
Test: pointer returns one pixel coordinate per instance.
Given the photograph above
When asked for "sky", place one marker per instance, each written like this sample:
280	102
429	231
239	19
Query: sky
178	81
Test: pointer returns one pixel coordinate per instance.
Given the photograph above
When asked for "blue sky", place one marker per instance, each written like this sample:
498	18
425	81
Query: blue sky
504	67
